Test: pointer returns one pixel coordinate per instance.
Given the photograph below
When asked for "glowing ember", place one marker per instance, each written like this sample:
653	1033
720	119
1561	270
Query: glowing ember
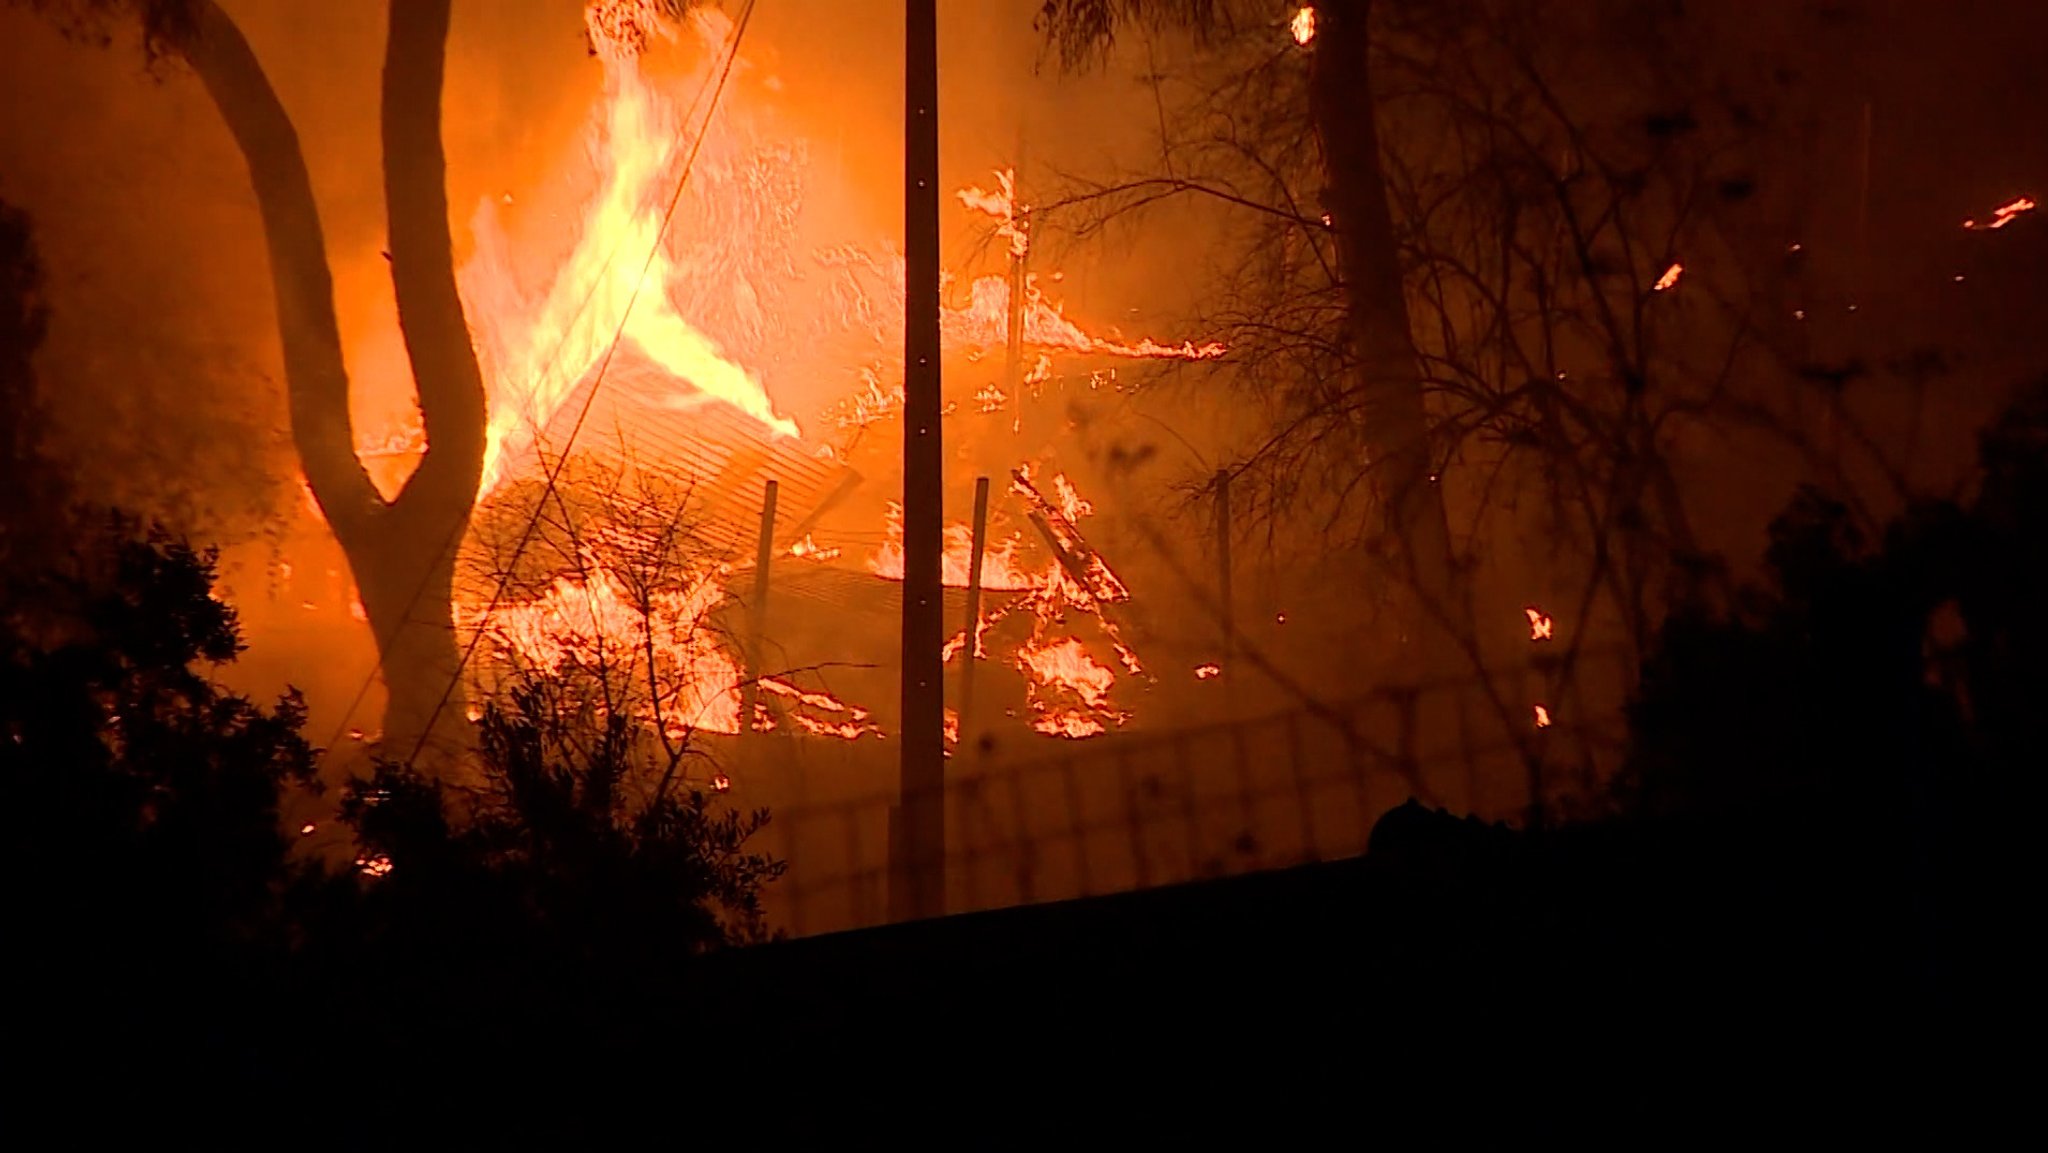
1669	278
809	550
537	346
1303	26
306	830
1204	672
1542	717
720	782
2003	215
1541	627
377	866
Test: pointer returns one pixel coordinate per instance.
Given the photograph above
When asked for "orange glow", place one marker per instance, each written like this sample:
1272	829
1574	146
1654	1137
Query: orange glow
1541	628
536	345
809	550
1542	717
1002	204
376	866
592	625
1303	26
1669	278
1000	568
720	782
1070	691
306	830
2003	215
1204	672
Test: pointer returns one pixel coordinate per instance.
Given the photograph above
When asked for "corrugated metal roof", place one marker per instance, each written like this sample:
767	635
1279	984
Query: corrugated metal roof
643	417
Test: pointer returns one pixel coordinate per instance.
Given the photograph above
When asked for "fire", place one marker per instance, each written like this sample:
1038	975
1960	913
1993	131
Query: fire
1013	224
592	624
376	866
1541	628
809	550
1542	717
1670	277
1204	672
538	346
2004	214
1303	26
1000	569
1078	701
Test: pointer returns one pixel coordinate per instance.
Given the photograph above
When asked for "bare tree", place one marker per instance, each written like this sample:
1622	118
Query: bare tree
402	549
1324	174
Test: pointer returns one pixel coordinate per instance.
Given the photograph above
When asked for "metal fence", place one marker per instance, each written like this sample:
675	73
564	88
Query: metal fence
1126	812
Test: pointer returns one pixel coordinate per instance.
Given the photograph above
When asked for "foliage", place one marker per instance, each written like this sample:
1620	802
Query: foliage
1868	677
579	840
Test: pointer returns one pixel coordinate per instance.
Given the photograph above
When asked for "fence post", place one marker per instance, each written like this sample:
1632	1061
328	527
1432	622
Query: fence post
757	618
1225	616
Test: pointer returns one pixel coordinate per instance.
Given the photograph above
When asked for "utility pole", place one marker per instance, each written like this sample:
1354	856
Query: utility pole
920	840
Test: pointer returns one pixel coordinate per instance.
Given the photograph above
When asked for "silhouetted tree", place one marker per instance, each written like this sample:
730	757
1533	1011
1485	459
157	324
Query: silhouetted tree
1370	410
401	550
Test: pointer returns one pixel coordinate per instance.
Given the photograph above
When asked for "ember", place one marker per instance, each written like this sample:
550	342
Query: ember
2003	215
1303	25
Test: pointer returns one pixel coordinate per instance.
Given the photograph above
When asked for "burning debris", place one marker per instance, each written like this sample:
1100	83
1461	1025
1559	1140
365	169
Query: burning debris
2003	215
1303	26
1670	278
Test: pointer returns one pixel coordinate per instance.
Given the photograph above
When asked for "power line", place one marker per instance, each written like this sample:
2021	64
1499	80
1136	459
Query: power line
604	365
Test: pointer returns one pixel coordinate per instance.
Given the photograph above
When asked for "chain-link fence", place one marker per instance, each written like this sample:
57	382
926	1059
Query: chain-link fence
1129	811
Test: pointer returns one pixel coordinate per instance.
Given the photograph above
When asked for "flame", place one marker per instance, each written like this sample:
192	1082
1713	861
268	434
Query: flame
1303	25
1000	570
1670	277
1541	628
1014	224
1071	691
376	866
591	624
1542	717
2004	214
808	549
1204	672
537	347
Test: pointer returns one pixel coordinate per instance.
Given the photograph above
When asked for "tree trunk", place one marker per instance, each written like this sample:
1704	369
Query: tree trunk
1382	344
402	551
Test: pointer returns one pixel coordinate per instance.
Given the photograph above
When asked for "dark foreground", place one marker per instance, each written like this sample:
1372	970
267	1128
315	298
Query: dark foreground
1653	985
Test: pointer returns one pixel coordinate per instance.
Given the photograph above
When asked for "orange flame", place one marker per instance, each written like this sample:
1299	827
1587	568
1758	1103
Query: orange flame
2004	214
1000	570
1077	703
1541	628
1542	717
1303	25
538	346
1670	277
